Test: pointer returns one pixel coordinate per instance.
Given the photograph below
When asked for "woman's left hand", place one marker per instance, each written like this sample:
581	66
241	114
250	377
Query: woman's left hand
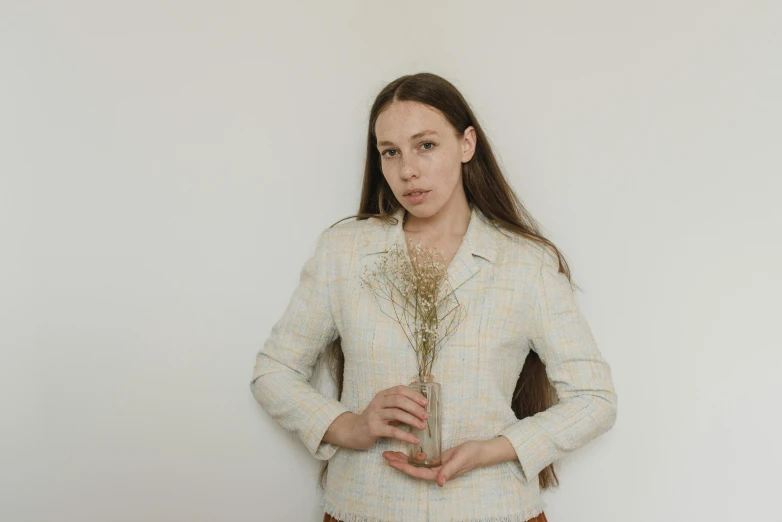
456	461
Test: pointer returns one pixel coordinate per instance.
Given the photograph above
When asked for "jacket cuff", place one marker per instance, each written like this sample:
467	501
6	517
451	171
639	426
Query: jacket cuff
317	426
533	446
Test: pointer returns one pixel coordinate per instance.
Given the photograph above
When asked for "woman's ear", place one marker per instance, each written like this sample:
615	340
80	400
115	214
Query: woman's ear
468	143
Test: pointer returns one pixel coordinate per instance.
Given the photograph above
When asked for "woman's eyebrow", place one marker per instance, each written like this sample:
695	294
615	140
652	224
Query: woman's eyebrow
413	137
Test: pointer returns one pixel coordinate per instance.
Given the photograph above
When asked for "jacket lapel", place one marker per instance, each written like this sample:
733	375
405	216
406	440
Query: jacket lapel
479	244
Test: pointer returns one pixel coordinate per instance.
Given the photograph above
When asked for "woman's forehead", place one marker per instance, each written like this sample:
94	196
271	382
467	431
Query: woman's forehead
406	119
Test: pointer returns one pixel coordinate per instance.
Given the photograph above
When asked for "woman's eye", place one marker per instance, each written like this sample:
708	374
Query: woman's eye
392	152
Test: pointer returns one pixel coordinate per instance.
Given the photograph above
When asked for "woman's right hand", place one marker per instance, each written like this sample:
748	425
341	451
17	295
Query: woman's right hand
383	414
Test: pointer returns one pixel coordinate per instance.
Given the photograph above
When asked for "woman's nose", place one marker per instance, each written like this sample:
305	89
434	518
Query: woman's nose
409	168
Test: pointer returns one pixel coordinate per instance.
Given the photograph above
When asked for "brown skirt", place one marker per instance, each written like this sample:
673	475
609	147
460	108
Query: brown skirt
539	518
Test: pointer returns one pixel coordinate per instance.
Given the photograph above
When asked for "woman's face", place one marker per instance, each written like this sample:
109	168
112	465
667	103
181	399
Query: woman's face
419	150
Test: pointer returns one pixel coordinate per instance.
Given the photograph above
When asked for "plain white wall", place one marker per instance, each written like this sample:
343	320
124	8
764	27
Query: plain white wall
167	165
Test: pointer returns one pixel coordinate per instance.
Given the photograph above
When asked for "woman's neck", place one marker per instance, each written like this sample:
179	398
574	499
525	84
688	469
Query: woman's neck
448	223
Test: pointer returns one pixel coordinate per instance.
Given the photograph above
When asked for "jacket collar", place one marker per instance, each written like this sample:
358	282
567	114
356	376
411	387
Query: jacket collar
479	245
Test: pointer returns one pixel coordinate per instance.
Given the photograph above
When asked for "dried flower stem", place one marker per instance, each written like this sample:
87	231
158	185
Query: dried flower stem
414	281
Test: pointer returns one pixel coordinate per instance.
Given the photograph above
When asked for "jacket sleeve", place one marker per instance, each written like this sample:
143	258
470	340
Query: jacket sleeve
285	363
582	378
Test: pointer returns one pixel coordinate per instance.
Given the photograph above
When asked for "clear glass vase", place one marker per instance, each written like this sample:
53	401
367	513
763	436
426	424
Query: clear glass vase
428	453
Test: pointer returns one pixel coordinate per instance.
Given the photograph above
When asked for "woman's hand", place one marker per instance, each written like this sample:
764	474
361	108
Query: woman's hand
456	461
384	412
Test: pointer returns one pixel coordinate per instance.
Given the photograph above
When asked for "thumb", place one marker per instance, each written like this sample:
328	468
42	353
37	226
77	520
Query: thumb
446	472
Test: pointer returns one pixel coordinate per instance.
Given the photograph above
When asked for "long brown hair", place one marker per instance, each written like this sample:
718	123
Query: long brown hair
485	187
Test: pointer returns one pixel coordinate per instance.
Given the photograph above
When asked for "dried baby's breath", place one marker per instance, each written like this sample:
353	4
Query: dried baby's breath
414	282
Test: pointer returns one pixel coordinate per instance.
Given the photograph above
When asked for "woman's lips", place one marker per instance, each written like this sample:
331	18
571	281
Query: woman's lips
417	198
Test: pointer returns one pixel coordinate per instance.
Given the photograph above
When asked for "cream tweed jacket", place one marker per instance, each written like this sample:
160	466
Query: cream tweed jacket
516	300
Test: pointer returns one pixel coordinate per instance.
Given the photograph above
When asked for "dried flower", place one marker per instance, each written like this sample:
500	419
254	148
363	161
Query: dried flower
414	281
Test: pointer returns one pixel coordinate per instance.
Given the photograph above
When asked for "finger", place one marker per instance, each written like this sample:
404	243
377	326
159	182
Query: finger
395	455
413	471
406	391
397	433
398	456
402	416
403	403
448	471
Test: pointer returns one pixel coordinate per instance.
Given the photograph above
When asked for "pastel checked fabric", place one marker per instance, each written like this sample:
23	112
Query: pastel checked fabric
516	300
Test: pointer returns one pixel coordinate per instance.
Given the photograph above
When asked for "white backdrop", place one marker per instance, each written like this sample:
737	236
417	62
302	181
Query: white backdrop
167	165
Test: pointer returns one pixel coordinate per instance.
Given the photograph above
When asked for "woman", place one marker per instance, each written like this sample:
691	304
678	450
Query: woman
430	176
